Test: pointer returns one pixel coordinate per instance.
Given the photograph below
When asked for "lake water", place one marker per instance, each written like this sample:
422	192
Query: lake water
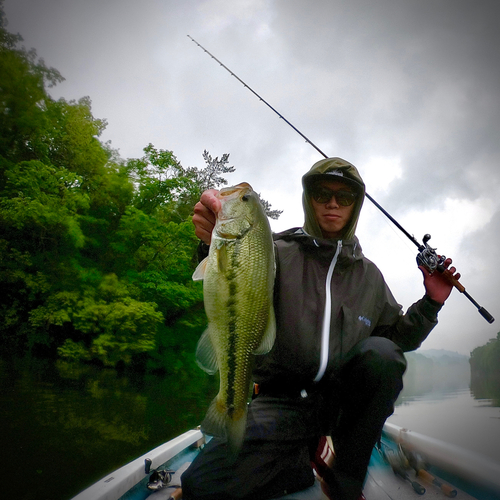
456	418
440	401
65	426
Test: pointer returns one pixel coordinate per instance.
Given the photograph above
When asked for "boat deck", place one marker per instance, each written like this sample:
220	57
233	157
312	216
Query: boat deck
130	481
381	484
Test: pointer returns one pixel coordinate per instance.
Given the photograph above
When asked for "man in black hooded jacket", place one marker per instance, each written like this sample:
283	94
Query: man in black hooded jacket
337	364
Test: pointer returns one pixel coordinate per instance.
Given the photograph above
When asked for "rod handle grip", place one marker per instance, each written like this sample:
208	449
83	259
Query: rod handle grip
448	490
425	475
449	276
419	489
445	488
486	315
176	495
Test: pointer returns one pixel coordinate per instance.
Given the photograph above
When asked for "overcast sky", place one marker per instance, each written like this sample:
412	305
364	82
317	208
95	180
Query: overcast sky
408	91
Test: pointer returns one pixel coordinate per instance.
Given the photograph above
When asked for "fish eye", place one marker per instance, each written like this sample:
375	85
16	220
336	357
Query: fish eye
245	197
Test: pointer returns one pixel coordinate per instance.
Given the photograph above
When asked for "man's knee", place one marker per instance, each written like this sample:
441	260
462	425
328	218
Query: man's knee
374	368
381	356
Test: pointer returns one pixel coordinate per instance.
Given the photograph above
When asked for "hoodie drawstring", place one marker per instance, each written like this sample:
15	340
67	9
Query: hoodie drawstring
325	330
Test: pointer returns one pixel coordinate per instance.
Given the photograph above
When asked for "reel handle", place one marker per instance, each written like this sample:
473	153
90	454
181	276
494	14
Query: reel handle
428	258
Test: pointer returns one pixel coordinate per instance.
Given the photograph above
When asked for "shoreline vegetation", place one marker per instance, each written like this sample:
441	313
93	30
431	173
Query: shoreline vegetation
442	371
96	251
485	370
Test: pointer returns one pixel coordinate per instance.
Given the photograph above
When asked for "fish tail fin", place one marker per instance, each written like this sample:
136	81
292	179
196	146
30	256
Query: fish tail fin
218	422
235	434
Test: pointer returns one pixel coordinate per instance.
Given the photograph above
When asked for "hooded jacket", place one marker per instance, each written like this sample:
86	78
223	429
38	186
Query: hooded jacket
328	296
332	169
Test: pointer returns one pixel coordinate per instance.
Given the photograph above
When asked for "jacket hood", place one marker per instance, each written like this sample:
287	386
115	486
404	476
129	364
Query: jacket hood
332	169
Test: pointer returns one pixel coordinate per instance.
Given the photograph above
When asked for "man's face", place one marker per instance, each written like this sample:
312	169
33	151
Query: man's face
331	215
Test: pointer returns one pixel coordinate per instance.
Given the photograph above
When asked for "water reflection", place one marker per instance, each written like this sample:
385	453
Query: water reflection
65	426
442	376
486	388
434	376
68	425
439	401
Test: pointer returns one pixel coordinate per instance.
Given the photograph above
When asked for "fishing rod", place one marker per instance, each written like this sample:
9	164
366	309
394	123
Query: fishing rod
427	255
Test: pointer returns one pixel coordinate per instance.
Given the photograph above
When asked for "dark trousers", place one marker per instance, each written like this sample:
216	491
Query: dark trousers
351	405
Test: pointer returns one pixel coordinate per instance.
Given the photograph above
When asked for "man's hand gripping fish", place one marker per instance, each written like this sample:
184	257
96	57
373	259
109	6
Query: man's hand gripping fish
238	277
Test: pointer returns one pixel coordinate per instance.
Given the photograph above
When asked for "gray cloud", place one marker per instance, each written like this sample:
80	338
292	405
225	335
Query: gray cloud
419	78
414	82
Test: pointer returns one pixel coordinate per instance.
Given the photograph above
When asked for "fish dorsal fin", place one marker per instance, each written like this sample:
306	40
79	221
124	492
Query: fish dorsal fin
270	334
205	354
199	272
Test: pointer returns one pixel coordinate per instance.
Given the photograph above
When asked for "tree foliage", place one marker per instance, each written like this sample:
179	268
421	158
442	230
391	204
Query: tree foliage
485	359
211	176
96	253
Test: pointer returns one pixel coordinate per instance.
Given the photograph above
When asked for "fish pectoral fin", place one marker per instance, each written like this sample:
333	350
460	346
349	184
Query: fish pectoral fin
269	336
199	272
205	354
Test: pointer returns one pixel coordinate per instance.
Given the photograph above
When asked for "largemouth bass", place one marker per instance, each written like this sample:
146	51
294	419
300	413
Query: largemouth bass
238	281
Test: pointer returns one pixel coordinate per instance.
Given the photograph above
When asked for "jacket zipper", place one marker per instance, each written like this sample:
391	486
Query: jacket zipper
325	329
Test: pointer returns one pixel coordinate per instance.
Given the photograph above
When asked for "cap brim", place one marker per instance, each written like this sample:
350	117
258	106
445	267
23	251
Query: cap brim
335	178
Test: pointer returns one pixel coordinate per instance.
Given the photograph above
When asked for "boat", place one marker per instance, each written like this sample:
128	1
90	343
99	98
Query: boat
404	465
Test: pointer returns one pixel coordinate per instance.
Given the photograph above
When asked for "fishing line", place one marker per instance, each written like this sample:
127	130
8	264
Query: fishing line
427	255
404	241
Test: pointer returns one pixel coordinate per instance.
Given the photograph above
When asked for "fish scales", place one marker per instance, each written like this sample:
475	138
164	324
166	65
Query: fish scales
240	327
238	286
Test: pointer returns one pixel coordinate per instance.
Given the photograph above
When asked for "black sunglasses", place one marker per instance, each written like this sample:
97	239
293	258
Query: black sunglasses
324	195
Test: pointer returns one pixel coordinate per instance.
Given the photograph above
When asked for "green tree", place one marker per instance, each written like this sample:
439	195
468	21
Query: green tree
96	253
211	177
159	178
23	98
485	359
62	194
